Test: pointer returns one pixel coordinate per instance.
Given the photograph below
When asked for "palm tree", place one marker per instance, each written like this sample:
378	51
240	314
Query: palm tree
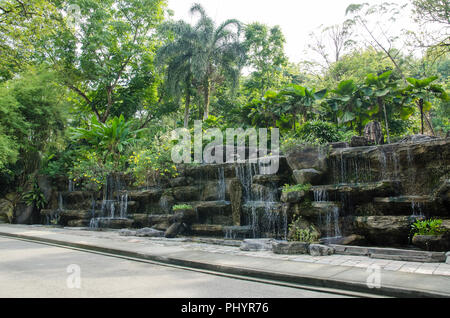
218	53
179	54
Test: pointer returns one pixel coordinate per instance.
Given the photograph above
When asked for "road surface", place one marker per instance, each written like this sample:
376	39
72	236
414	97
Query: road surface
29	269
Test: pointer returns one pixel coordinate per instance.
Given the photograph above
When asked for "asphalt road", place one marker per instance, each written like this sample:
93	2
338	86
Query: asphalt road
30	269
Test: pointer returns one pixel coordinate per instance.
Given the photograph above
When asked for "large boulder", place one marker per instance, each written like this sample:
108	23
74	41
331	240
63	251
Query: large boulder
175	229
185	215
308	157
6	210
437	243
290	247
320	250
358	141
305	176
384	230
257	245
149	232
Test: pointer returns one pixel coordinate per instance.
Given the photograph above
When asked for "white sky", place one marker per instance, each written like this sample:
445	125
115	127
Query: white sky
297	18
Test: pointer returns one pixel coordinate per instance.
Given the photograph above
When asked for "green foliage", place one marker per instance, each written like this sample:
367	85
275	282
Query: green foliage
182	207
427	227
111	139
35	197
151	162
295	188
319	132
298	234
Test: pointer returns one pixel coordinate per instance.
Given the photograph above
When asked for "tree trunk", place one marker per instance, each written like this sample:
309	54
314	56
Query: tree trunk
386	121
186	108
430	125
420	104
207	91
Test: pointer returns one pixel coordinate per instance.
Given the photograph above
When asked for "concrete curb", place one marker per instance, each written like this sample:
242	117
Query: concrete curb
321	282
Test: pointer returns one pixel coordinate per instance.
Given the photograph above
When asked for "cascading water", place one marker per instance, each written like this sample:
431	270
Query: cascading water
329	218
112	196
221	185
261	204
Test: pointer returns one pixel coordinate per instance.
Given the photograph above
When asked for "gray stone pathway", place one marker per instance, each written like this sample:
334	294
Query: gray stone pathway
342	260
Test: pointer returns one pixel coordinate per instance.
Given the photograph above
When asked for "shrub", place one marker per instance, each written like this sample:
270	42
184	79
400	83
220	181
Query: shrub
319	132
299	233
294	188
428	227
182	207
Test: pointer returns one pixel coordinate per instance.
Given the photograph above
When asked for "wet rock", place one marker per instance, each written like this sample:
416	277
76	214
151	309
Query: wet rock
308	157
207	229
149	232
185	216
353	239
358	141
6	210
320	250
126	232
257	245
186	194
146	196
174	230
45	185
438	243
24	214
293	196
418	138
305	176
340	144
384	230
236	199
290	248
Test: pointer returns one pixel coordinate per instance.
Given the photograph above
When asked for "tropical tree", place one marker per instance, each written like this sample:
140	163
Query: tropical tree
299	100
106	54
264	48
179	54
218	53
381	87
420	91
111	139
352	105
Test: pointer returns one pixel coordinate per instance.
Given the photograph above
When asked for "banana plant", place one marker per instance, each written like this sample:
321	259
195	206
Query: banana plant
299	100
381	88
111	138
352	104
420	91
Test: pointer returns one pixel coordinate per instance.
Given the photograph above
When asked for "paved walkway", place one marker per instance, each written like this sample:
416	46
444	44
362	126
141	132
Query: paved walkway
396	275
342	260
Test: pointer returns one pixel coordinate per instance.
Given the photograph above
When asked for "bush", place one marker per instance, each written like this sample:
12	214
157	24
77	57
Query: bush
319	132
428	227
294	188
182	207
299	233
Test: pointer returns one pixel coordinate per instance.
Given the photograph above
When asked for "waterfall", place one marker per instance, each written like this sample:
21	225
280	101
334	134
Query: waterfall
112	196
222	185
261	205
71	187
329	218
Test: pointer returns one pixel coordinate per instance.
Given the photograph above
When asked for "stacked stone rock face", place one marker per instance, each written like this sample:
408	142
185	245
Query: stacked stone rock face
378	191
360	195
